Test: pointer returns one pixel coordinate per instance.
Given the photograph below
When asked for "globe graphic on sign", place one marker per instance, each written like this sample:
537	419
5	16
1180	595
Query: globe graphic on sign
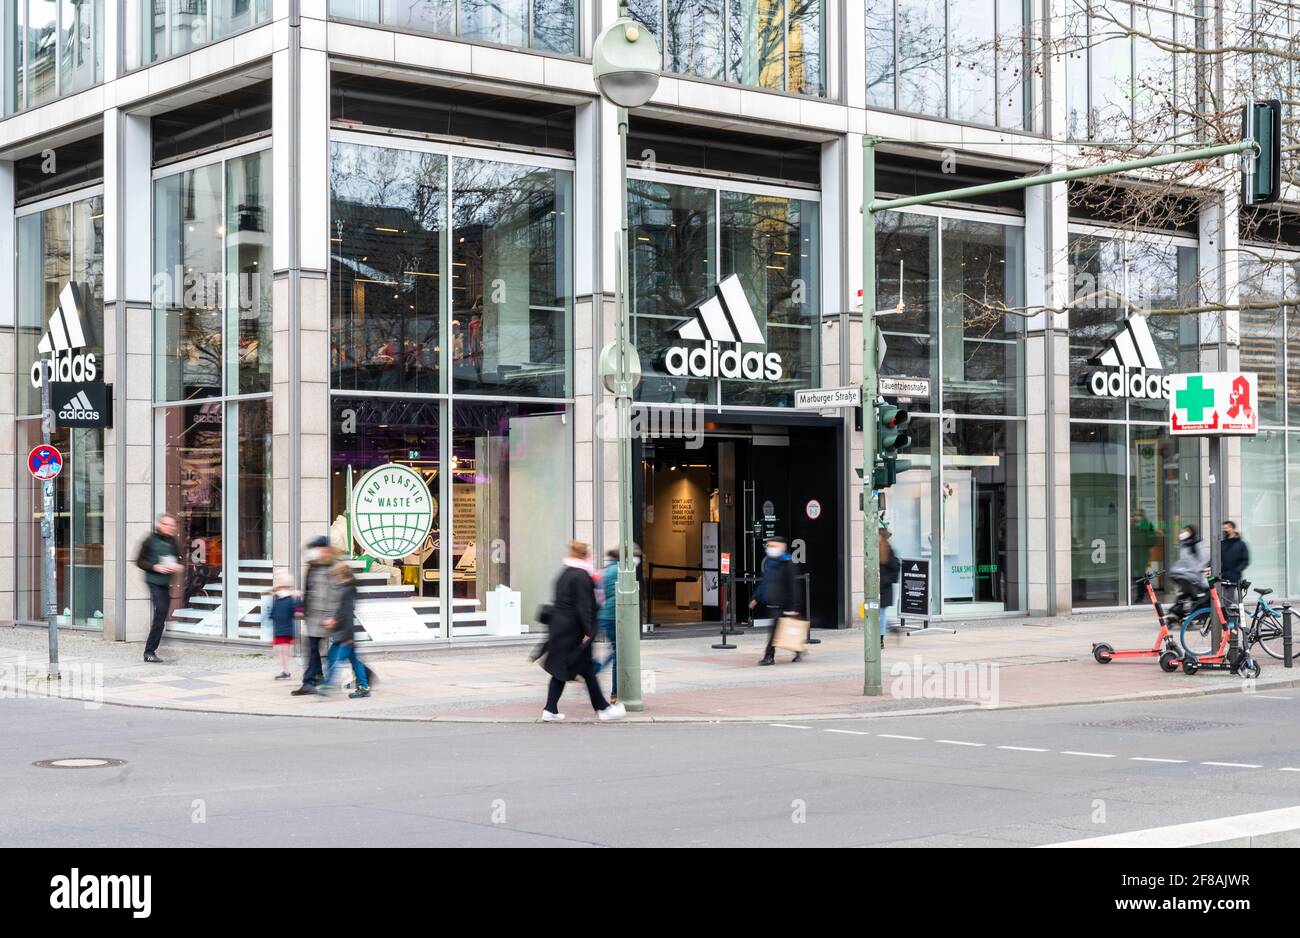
392	511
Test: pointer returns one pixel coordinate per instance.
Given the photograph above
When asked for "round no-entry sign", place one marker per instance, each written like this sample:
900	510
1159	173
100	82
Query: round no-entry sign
813	509
44	462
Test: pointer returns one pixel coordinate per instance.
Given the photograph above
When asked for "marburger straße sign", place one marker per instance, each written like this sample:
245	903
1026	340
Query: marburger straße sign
820	398
1214	404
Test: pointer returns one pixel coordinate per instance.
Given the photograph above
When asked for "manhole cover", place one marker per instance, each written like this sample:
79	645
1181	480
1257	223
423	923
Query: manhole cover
1160	725
78	763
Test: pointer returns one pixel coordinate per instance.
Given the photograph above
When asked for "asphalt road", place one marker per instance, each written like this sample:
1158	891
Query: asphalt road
980	779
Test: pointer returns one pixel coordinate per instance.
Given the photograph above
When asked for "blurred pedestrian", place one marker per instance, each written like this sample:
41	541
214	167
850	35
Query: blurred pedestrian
319	601
890	570
159	558
776	595
571	623
342	626
282	611
1188	571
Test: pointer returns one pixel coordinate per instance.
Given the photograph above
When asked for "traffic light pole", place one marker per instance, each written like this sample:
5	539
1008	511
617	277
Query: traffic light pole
871	684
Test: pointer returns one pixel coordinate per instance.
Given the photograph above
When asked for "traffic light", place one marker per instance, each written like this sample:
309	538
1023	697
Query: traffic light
1261	178
892	438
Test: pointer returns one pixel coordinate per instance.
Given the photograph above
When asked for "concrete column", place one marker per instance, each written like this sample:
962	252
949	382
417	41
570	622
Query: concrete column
8	399
128	366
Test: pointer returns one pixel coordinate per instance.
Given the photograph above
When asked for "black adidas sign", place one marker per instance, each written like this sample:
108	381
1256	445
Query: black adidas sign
83	405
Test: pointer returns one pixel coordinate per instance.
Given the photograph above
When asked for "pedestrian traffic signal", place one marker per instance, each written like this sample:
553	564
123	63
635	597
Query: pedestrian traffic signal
1261	178
892	438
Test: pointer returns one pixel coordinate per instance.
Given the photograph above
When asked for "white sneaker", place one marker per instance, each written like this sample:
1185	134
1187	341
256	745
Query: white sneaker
613	712
549	717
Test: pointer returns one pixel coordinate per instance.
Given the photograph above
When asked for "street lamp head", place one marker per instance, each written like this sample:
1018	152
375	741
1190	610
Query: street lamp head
625	64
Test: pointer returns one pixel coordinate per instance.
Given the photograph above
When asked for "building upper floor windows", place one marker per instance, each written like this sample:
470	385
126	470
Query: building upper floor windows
170	27
52	48
549	25
774	44
965	60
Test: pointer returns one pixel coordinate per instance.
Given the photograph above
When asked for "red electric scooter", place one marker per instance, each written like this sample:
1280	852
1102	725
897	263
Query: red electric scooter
1237	660
1166	650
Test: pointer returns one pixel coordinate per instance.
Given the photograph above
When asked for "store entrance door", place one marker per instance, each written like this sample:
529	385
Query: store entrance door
726	492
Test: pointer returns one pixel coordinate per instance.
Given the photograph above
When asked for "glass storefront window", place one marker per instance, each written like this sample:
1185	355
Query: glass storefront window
1096	314
774	44
387	267
248	261
1098	478
684	240
907	289
1264	281
1263	507
192	484
170	27
965	60
1164	478
511	283
550	25
57	49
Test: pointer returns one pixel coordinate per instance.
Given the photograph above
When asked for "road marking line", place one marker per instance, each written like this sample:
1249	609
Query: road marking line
957	742
1234	765
1095	755
1153	759
1271	697
896	736
790	726
1023	749
850	732
1287	769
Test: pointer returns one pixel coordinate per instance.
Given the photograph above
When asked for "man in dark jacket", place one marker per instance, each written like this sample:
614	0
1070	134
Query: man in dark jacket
319	602
1234	555
776	595
159	558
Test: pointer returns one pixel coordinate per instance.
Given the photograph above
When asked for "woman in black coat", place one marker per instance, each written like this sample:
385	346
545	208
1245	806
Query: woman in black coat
572	627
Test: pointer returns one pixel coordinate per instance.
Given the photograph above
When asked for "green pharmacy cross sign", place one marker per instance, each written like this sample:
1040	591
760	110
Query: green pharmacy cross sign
1196	399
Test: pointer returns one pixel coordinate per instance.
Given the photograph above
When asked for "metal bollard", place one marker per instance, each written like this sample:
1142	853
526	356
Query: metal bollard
1286	635
807	607
727	613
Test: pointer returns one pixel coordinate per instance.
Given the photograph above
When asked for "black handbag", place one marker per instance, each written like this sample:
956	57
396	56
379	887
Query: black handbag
545	613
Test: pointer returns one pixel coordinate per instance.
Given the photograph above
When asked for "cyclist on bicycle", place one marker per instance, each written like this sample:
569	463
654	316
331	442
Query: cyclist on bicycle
1188	572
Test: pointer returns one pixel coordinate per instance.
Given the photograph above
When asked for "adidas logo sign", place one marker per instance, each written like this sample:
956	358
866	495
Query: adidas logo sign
725	319
65	334
79	408
1130	348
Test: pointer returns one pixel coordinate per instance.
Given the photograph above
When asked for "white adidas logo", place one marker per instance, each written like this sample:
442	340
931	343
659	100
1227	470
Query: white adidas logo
65	331
1131	347
79	408
725	317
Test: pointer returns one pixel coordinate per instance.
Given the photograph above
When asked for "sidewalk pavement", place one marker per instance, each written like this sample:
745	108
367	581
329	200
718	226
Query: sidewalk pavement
1006	663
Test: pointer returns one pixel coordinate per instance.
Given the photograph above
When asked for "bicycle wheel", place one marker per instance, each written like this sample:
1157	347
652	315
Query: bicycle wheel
1197	635
1268	633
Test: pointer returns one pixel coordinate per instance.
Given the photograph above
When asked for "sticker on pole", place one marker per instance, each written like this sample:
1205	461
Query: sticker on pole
1213	404
813	509
44	463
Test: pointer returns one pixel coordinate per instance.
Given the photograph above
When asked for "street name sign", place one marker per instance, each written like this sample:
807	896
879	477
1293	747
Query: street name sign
904	387
823	398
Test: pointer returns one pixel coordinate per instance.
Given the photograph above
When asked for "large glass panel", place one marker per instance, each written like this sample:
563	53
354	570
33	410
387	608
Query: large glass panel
693	41
1110	69
1153	82
1164	276
1097	515
12	55
922	51
368	10
971	60
509	516
771	244
1263	507
983	371
757	43
86	526
188	288
31	511
42	51
252	560
555	25
503	21
1164	496
804	46
981	519
386	268
1097	311
1263	284
250	267
77	36
192	485
1293	526
511	290
880	53
44	269
1012	65
372	431
673	268
230	16
1292	282
1074	48
907	296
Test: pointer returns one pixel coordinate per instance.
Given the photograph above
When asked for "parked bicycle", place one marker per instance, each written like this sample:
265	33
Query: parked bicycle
1264	628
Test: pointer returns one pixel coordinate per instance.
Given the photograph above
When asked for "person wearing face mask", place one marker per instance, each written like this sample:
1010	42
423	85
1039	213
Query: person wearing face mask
1188	571
776	595
319	601
608	614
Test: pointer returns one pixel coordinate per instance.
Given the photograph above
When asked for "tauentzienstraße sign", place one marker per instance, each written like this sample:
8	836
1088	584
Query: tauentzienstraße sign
1214	404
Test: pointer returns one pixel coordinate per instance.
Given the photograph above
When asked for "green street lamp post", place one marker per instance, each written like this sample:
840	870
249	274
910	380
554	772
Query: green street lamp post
625	65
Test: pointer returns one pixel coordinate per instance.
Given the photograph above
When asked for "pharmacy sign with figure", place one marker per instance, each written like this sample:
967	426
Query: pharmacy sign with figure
1214	404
